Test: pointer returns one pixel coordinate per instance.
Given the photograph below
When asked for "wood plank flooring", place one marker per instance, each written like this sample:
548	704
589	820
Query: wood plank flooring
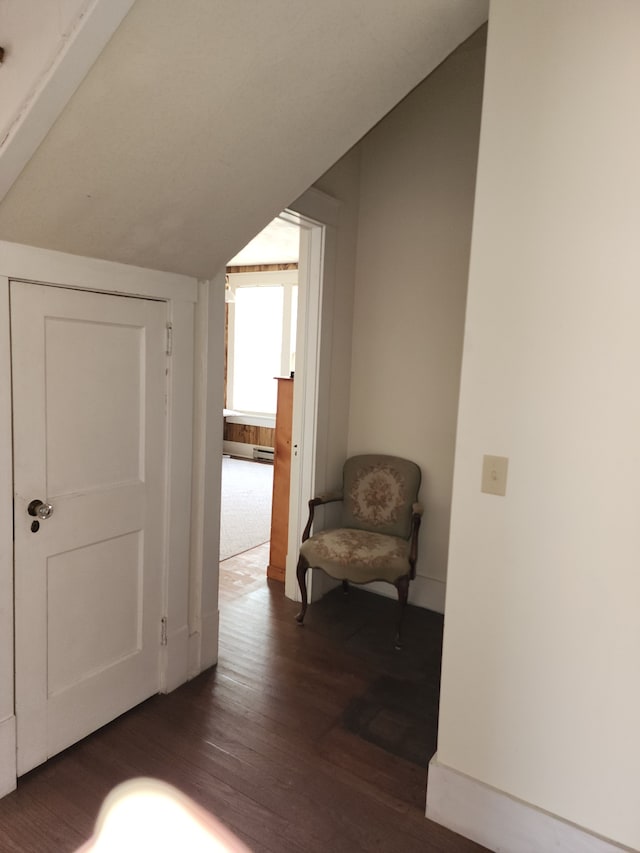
301	739
243	573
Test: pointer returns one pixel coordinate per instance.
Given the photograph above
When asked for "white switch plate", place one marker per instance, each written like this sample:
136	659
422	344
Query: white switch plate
494	475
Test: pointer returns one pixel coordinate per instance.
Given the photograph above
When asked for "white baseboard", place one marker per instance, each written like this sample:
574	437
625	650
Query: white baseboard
238	448
209	645
8	773
176	663
500	822
195	641
423	592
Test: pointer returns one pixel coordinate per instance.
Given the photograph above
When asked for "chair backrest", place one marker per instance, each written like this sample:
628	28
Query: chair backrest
378	493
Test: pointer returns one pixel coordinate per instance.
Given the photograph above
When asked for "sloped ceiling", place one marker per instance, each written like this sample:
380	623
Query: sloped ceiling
31	34
202	119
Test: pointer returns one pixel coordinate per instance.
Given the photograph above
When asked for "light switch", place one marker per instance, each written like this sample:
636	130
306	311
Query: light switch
494	475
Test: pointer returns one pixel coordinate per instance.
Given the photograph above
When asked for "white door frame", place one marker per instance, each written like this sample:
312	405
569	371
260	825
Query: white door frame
317	215
207	474
24	263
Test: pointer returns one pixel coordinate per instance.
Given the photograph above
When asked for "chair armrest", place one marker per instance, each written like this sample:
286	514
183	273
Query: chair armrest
326	498
417	509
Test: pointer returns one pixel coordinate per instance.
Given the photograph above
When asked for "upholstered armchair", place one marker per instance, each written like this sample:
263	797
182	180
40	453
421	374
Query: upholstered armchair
378	536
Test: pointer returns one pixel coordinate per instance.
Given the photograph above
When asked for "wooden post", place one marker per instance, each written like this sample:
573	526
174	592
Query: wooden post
281	481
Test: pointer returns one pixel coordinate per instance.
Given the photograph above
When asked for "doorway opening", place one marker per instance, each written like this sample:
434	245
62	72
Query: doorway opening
316	216
261	302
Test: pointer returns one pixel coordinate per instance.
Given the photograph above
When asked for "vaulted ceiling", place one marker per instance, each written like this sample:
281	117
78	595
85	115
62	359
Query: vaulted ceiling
202	119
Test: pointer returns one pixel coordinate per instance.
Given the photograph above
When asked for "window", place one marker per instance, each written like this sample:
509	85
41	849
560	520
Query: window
261	342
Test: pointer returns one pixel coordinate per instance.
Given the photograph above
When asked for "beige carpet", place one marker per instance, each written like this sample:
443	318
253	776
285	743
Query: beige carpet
245	519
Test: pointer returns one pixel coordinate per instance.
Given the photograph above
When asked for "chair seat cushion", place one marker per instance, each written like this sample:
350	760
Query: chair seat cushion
359	556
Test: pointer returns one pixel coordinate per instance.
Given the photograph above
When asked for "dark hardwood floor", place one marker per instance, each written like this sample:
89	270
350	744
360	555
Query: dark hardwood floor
301	739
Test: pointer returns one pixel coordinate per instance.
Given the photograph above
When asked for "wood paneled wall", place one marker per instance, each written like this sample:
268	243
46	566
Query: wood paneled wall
248	434
263	268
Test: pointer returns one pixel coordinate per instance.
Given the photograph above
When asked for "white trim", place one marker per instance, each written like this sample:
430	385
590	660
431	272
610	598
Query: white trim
249	419
423	592
180	406
317	214
268	278
500	822
7	755
174	667
305	391
8	771
238	448
198	477
209	639
207	471
287	351
93	29
315	205
26	263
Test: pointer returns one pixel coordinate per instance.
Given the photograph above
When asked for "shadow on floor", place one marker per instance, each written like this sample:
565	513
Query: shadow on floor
399	709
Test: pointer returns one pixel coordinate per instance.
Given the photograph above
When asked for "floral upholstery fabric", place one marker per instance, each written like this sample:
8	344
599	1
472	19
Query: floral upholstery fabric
377	495
379	492
359	556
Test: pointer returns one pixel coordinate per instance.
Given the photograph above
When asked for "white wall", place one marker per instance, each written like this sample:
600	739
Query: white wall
416	202
541	687
341	182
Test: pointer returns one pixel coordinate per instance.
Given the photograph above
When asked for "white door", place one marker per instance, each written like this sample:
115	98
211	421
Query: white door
89	440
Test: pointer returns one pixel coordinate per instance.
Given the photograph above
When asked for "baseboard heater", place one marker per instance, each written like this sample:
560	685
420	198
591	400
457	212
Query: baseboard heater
263	454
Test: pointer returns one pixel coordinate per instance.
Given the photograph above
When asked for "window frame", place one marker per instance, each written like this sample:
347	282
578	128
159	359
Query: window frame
287	279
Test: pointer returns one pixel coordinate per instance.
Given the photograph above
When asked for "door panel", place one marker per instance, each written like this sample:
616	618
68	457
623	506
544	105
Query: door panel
89	438
106	609
82	357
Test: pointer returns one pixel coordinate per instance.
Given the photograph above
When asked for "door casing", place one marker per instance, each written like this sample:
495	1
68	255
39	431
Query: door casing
23	263
317	214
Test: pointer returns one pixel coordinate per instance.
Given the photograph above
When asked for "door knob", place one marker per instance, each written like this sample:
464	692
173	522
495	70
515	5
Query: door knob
39	509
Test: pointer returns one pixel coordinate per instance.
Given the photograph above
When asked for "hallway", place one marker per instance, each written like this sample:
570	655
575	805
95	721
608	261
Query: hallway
309	739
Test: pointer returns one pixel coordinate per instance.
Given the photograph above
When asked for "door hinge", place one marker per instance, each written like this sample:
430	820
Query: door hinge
163	631
169	348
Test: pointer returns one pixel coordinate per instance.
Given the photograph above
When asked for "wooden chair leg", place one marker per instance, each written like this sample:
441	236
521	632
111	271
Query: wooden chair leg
402	586
345	587
301	574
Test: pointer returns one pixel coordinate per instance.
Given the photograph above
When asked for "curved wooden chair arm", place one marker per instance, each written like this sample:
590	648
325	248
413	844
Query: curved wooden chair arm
326	498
